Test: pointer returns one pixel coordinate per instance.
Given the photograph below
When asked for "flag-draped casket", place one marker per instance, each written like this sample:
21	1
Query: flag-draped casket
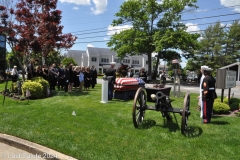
126	88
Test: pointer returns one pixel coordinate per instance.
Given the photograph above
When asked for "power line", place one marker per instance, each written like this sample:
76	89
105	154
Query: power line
187	26
144	36
155	24
162	23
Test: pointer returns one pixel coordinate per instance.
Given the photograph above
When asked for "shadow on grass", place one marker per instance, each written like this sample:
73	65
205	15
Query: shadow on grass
171	125
148	123
192	132
219	123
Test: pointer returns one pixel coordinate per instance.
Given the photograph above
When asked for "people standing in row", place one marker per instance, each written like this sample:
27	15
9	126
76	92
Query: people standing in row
208	95
94	76
111	72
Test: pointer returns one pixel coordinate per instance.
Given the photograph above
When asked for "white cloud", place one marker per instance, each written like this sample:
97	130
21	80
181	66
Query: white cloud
89	45
75	8
192	28
117	29
100	6
231	3
78	2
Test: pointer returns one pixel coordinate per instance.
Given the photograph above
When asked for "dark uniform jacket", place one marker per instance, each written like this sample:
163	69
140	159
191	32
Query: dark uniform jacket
210	87
111	72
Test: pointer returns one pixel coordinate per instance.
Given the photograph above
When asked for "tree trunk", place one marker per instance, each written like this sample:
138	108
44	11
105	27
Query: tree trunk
149	63
156	67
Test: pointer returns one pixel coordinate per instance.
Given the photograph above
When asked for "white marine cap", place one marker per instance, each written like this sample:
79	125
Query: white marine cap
202	67
112	62
207	69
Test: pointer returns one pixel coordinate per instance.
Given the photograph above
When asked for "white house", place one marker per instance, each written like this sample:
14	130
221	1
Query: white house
101	58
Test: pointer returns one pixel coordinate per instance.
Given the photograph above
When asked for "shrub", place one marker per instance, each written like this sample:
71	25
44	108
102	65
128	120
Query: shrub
234	106
233	100
43	82
220	108
225	100
35	89
13	87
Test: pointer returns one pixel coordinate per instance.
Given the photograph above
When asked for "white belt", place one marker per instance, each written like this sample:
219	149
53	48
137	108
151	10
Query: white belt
209	89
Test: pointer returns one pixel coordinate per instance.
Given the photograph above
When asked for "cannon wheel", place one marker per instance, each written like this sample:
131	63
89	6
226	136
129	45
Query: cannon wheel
185	112
139	106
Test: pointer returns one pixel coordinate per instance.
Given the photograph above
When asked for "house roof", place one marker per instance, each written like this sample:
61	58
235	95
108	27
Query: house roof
76	53
230	65
100	51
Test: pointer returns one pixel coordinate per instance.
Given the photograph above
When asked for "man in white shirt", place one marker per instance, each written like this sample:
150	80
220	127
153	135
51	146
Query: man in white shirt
14	74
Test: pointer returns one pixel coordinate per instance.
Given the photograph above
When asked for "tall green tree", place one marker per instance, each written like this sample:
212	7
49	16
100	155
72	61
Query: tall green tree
143	15
220	45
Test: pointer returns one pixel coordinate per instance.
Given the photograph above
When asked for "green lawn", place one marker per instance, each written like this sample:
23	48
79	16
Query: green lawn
106	132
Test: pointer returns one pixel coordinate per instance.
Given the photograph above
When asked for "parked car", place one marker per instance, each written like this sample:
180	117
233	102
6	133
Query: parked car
192	78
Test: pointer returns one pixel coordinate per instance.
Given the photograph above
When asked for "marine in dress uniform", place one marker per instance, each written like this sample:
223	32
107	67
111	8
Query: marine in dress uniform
208	95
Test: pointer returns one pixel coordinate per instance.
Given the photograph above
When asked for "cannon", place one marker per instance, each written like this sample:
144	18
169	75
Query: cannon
162	104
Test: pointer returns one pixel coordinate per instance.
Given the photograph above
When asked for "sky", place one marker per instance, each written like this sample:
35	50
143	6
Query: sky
90	20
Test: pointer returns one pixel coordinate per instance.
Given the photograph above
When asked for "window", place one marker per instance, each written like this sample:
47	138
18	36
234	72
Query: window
135	61
94	59
126	60
117	60
146	62
105	60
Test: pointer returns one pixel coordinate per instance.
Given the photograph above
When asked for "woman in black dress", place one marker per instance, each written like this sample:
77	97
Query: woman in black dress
76	77
87	78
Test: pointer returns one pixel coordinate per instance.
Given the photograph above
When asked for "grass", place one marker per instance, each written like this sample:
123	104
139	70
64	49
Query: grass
106	132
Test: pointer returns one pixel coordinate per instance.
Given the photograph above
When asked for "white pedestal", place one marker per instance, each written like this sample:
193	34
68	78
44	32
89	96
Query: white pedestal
104	91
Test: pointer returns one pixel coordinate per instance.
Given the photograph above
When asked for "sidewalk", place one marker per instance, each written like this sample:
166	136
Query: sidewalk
12	148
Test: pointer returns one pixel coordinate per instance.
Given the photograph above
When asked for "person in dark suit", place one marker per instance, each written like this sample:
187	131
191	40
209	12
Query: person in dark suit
30	70
208	95
60	77
111	72
143	75
129	73
94	76
66	78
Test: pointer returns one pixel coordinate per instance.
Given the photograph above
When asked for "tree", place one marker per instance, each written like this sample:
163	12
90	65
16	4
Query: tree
220	46
66	61
142	15
36	29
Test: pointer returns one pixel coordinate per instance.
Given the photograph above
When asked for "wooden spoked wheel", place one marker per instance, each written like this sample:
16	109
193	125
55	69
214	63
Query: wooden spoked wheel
139	107
185	112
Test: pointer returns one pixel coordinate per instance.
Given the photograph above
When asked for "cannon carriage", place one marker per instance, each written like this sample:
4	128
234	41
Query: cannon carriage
162	104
